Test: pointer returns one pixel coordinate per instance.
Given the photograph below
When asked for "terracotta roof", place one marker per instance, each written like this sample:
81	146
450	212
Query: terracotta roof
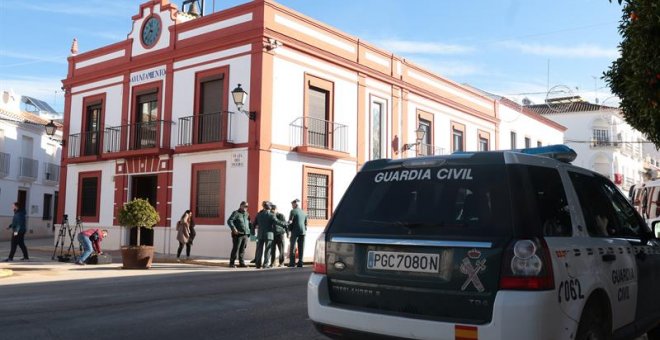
562	107
531	113
27	117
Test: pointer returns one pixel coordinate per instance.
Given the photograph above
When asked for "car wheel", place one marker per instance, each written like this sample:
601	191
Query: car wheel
591	325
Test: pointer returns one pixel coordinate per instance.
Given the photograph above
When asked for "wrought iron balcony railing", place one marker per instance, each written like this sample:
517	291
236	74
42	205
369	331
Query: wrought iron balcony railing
429	150
143	135
318	133
84	144
51	172
28	168
204	128
5	161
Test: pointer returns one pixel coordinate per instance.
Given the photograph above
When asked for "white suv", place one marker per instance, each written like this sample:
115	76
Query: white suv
485	245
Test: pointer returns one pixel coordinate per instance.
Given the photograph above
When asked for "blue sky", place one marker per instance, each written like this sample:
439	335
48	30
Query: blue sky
499	46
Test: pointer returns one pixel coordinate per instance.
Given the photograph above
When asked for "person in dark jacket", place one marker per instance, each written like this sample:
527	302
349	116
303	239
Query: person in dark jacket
265	221
278	236
298	227
239	223
18	228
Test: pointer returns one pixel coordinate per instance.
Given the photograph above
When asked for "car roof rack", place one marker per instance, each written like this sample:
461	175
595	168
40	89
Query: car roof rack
559	152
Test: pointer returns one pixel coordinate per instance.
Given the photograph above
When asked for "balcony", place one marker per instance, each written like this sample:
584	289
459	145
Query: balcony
132	137
51	173
5	159
28	169
319	137
429	150
84	144
604	143
204	131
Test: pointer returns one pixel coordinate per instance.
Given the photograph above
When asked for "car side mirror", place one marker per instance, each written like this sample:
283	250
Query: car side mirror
655	227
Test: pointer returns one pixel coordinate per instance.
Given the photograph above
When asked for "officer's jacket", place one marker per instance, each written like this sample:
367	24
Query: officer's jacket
240	221
298	220
266	222
279	230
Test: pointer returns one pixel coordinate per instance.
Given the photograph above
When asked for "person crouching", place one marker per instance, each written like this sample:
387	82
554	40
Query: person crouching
90	240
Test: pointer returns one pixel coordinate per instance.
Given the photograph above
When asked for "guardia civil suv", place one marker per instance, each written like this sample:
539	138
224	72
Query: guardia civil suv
486	245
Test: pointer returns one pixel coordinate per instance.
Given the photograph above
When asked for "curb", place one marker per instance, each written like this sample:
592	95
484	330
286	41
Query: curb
6	273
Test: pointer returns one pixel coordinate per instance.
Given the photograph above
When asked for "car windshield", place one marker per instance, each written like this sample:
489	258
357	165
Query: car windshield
448	200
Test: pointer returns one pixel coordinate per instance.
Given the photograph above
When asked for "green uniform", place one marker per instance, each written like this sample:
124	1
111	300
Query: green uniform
240	221
265	222
298	228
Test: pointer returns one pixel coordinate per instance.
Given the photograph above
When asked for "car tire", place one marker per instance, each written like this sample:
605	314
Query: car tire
591	325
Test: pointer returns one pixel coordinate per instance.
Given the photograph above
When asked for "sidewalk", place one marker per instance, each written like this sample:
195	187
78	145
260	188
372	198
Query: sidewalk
42	268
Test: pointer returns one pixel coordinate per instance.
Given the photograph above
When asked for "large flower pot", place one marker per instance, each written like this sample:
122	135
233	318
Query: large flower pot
137	257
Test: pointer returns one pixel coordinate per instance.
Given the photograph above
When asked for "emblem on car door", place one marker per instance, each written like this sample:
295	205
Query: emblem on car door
472	270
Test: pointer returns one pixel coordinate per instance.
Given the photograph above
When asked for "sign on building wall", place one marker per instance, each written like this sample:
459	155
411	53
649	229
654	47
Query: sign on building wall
146	76
237	160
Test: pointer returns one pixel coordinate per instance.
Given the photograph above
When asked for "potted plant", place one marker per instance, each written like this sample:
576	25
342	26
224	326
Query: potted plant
138	214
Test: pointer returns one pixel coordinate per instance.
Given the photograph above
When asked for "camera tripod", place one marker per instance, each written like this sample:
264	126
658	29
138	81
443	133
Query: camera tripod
70	233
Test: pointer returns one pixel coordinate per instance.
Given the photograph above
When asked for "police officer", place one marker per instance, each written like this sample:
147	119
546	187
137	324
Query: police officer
239	222
265	221
298	228
278	236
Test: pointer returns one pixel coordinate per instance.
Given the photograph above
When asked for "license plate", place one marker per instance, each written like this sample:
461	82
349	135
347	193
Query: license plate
407	262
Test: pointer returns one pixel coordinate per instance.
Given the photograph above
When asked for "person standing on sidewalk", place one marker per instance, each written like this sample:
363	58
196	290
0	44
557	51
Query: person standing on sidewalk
298	227
239	223
18	233
90	239
191	225
278	236
265	221
183	234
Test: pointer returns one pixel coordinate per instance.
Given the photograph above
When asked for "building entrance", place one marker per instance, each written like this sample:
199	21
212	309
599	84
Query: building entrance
145	187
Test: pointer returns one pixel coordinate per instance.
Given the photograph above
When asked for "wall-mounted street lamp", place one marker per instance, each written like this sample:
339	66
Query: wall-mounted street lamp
240	98
51	128
419	134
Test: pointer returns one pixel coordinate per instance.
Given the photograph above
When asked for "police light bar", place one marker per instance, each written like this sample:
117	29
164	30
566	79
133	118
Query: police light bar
559	152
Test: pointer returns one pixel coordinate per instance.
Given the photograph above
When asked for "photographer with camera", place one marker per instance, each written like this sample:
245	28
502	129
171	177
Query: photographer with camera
90	238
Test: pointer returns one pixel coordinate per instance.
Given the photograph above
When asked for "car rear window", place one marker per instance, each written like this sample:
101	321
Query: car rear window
448	200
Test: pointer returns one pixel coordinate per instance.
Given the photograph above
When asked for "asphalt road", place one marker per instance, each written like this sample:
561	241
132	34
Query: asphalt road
255	304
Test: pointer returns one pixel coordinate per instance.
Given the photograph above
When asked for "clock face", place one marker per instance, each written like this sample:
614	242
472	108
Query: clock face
151	31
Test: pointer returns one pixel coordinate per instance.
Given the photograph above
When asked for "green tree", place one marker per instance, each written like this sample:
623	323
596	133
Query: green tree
635	76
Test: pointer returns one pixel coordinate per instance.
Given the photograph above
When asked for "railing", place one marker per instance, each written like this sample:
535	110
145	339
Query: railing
28	168
318	133
5	159
84	144
204	128
51	172
604	143
144	135
429	150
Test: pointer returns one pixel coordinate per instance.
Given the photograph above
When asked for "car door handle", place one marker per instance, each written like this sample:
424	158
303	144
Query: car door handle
609	257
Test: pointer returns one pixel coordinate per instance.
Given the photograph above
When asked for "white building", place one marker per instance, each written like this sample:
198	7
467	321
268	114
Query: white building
604	142
29	167
153	117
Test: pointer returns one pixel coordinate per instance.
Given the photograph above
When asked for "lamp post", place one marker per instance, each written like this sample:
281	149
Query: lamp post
419	134
240	98
51	128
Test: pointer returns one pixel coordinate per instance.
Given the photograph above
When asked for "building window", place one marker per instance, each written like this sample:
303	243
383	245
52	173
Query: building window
458	137
539	144
377	129
145	134
208	192
92	125
89	196
513	140
210	123
484	140
317	193
318	112
601	136
47	207
528	142
425	122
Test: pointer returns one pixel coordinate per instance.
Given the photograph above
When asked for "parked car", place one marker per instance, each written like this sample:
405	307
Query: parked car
646	199
485	245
